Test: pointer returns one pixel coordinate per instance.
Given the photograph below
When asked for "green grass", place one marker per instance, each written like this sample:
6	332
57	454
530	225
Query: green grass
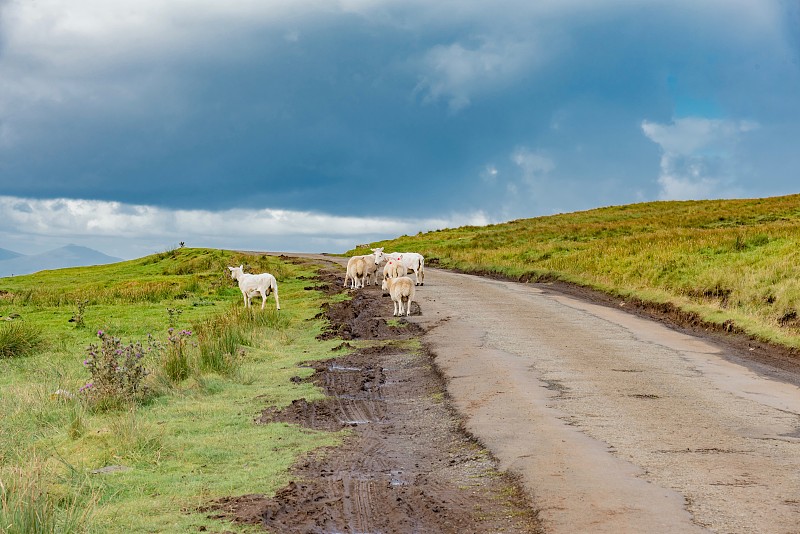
725	260
19	339
193	438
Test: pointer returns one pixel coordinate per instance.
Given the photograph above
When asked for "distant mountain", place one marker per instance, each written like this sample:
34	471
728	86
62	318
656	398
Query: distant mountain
68	256
8	254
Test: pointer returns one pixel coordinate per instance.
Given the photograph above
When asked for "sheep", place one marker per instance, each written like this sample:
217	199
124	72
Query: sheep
402	291
371	266
356	272
394	269
412	260
252	284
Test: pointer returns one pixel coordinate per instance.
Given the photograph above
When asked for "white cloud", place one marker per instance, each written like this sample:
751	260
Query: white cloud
457	73
698	159
69	220
489	174
691	134
533	165
686	179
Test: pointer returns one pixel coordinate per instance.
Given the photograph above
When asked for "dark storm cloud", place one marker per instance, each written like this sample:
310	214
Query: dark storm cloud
509	109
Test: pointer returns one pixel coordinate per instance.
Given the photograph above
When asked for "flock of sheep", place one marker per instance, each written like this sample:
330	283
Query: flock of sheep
360	270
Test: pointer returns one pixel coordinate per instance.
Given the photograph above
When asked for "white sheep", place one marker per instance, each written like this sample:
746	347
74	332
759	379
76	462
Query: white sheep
402	291
252	284
356	272
411	260
394	269
371	266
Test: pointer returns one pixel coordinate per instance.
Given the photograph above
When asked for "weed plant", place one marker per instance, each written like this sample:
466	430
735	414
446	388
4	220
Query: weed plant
117	371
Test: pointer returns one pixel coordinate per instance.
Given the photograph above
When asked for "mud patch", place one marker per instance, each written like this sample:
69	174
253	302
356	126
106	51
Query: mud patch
366	316
406	465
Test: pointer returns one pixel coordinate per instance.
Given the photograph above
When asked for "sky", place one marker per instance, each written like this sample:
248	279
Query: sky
300	125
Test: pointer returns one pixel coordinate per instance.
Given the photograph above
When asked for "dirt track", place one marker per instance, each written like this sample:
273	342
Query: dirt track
613	423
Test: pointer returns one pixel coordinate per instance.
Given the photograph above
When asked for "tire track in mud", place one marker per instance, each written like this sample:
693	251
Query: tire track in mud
407	466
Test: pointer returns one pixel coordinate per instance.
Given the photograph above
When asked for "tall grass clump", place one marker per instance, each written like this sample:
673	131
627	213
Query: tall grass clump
27	507
221	338
175	355
220	341
19	339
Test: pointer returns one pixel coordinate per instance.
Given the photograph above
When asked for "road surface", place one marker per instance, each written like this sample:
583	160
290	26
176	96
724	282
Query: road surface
614	423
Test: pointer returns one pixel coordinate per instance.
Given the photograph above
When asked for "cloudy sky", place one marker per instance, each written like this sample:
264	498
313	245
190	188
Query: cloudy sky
132	125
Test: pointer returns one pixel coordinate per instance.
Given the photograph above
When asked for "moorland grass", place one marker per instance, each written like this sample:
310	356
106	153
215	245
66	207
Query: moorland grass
18	338
147	465
732	262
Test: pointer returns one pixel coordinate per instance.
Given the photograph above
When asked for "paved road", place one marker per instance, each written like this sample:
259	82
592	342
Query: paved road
615	423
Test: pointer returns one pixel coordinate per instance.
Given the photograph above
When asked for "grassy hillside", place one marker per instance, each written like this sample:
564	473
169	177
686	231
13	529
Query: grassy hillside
112	457
727	260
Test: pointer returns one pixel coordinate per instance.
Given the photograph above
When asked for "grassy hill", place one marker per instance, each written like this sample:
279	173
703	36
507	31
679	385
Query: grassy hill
732	262
177	377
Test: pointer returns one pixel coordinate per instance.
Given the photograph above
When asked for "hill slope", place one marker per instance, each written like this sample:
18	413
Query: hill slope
733	262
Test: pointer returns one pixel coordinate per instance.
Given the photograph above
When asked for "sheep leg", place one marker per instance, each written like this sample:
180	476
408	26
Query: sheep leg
277	301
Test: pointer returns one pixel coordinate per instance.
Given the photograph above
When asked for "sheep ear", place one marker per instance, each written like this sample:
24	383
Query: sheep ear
241	266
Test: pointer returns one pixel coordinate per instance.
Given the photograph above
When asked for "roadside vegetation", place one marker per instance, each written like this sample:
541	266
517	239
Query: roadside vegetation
128	392
733	263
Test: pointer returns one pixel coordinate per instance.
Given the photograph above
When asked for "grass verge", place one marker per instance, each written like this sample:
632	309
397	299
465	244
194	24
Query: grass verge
147	464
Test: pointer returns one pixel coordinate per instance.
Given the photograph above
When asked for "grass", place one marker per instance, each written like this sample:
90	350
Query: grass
731	262
19	339
148	464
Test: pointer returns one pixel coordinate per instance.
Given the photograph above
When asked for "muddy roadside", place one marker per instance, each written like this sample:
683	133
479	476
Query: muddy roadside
407	464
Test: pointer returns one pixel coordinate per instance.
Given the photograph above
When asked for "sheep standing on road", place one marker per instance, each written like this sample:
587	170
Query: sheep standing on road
411	260
394	269
402	291
252	284
356	272
371	262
